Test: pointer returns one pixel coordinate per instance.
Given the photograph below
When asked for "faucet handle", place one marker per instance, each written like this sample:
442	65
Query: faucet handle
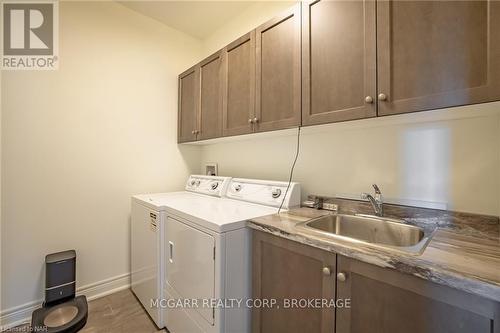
364	196
377	189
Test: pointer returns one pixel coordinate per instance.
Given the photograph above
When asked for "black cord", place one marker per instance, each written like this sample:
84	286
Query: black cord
291	170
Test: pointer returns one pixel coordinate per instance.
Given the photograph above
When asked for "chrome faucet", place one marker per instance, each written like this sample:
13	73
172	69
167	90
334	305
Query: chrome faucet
377	201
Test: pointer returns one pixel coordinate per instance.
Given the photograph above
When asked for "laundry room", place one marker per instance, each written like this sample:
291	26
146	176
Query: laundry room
250	166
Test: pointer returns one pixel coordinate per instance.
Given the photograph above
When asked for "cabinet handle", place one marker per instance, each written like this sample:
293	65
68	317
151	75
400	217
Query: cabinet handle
327	271
255	120
193	132
250	121
369	99
382	97
341	277
171	252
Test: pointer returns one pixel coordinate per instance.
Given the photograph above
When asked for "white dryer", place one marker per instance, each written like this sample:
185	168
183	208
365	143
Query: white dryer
209	254
148	250
194	246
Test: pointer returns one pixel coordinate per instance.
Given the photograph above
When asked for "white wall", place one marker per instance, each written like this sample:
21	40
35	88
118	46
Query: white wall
447	156
78	142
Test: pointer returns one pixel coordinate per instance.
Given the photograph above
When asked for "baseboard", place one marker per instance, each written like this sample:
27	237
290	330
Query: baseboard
105	287
22	314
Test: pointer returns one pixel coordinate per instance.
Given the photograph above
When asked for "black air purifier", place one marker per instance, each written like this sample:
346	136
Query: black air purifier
62	312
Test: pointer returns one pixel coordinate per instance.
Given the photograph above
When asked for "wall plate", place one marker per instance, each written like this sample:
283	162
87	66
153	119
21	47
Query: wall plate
211	169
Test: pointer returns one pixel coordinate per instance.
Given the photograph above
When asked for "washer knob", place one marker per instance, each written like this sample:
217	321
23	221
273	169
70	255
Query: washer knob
237	187
215	185
197	183
276	193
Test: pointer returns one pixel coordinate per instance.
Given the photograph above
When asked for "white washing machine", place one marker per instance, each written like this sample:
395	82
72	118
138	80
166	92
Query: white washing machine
147	246
203	251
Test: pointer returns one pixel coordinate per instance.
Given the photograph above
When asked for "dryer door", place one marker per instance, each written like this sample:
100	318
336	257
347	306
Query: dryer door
191	264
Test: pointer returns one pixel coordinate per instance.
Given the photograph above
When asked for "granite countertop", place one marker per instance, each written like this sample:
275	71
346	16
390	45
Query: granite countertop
464	252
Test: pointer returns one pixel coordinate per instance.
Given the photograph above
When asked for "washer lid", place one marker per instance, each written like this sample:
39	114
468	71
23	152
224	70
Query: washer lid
218	214
160	201
242	200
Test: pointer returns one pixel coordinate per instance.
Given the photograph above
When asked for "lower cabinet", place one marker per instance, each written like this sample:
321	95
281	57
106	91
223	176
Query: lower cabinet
386	301
285	271
381	300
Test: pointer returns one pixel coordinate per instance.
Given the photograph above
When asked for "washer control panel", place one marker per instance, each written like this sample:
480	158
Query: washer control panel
211	185
269	193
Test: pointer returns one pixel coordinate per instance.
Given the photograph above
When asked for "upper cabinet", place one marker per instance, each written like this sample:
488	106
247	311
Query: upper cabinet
338	61
200	100
239	86
278	72
436	54
329	61
211	88
188	105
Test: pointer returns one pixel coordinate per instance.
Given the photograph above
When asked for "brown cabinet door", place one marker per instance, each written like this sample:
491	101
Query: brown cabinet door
278	72
188	105
338	61
436	54
386	301
239	86
286	270
211	89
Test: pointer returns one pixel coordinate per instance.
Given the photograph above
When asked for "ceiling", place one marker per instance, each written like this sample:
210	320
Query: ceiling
197	18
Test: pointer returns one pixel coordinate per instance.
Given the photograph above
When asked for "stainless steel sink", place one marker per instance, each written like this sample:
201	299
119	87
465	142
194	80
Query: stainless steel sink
373	231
